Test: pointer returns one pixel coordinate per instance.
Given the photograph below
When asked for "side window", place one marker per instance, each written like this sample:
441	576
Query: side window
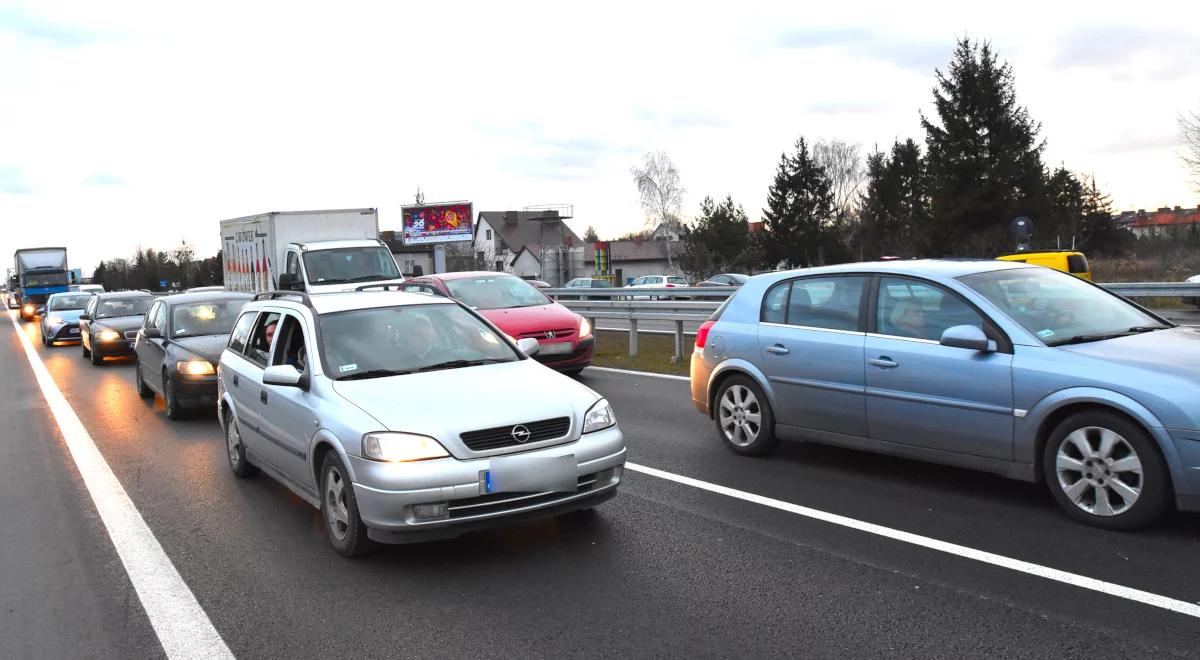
640	281
677	280
290	348
160	319
241	332
774	309
921	310
293	264
262	337
826	302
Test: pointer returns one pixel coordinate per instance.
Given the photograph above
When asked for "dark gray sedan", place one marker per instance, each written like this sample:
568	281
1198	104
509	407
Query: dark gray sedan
178	347
110	323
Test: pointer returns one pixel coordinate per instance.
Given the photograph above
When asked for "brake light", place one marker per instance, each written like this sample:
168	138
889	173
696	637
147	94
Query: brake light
670	286
702	333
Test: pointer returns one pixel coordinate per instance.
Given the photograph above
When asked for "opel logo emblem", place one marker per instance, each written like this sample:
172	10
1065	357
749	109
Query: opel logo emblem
521	434
549	334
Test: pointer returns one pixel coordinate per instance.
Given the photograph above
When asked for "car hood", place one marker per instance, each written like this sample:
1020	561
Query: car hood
120	323
207	346
517	321
443	404
1174	352
68	315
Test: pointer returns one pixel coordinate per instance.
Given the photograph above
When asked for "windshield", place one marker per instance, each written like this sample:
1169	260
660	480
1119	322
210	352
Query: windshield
69	302
496	292
45	280
114	307
213	317
1057	307
347	265
386	341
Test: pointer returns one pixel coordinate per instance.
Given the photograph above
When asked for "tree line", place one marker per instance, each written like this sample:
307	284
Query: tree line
955	194
149	268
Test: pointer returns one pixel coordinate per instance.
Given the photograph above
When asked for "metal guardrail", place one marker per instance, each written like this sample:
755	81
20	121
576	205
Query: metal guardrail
691	304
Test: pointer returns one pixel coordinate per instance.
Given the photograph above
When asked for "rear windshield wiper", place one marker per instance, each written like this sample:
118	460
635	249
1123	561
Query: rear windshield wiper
458	364
374	373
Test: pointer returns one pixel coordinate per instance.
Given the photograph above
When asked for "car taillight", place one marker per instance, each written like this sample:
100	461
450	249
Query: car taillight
670	286
702	333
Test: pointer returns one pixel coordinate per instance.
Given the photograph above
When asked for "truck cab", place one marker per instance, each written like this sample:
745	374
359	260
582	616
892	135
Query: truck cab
332	266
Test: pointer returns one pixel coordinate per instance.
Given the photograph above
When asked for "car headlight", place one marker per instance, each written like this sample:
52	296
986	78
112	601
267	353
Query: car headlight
599	417
195	368
401	447
28	310
108	335
585	328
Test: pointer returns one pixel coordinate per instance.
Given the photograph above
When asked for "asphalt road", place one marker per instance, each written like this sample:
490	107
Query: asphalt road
665	569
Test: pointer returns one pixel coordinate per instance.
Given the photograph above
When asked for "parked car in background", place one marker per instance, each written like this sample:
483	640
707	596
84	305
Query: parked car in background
109	324
520	311
656	282
585	283
1023	371
59	319
1192	301
178	347
725	279
204	289
407	417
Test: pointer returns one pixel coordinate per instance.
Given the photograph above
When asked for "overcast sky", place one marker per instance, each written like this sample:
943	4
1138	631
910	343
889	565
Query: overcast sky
127	123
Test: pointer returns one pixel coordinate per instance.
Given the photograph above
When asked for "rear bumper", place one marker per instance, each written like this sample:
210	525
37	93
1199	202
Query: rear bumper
700	373
388	509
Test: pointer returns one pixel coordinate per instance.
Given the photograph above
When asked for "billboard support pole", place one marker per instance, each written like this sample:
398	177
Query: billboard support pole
439	258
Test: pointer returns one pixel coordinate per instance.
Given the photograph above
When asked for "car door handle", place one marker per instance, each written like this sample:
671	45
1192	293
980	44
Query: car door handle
884	362
778	349
235	380
262	396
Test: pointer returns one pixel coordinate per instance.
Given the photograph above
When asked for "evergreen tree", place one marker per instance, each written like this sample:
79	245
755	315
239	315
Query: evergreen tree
984	155
590	236
799	217
1062	224
895	208
717	241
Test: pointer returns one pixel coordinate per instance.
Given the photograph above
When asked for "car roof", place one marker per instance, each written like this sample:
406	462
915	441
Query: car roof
948	268
123	294
209	296
329	303
469	273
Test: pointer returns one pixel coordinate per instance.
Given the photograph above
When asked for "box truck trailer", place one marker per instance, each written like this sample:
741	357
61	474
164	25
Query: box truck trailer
311	251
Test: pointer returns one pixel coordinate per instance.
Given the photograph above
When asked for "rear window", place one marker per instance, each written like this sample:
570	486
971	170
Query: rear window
677	280
1077	263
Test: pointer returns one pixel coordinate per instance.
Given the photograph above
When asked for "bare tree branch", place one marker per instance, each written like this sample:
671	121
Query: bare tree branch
1189	128
843	164
661	194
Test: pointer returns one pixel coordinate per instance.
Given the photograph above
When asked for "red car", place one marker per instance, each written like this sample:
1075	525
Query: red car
519	310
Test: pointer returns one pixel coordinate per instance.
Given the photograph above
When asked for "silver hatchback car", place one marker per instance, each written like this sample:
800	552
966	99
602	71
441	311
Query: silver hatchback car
407	417
1020	370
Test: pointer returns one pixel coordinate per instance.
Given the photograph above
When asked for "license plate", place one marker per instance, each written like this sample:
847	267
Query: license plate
73	331
530	474
560	348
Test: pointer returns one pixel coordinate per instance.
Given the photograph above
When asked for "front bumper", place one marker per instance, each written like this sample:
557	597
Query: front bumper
65	332
115	348
195	390
387	492
581	356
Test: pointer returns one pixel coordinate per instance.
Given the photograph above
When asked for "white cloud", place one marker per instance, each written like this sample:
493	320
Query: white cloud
190	115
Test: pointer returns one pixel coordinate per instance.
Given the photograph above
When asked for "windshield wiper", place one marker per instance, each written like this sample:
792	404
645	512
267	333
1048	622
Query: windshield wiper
334	280
374	373
1137	329
1083	339
458	364
367	278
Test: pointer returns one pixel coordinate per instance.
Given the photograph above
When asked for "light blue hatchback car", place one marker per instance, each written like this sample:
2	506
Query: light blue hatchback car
1014	369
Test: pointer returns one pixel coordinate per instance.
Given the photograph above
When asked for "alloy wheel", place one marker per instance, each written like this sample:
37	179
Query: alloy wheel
1099	470
335	504
740	416
233	441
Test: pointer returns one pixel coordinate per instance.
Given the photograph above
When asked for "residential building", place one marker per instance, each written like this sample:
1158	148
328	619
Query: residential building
631	259
1156	223
513	242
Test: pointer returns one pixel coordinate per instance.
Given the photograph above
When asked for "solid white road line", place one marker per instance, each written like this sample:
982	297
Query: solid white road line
1136	595
629	372
183	628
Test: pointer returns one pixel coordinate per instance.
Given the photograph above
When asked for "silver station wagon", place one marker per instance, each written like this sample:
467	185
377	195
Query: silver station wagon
1015	369
407	417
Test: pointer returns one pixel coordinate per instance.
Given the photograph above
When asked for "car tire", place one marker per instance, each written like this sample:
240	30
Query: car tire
45	342
1104	470
743	417
239	464
339	508
143	389
171	401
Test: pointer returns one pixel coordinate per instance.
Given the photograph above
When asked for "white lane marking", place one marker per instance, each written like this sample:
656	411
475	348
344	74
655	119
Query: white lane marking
1136	595
183	628
630	372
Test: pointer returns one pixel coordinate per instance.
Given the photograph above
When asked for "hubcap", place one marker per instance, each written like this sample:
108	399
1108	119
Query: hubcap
1099	471
740	416
233	442
335	504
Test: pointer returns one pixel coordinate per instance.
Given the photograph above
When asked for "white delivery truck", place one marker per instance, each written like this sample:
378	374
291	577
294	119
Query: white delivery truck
311	251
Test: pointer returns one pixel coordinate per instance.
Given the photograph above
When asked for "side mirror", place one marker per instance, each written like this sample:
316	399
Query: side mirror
41	311
85	317
529	346
969	337
151	333
282	374
287	282
418	271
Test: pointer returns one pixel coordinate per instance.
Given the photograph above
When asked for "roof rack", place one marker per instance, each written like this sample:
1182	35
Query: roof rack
386	286
276	295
